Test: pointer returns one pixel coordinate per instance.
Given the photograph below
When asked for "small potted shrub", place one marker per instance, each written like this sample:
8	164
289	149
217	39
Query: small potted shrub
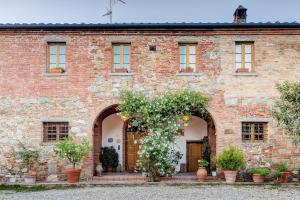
259	174
230	160
73	152
57	70
283	170
29	159
109	158
187	70
202	172
121	70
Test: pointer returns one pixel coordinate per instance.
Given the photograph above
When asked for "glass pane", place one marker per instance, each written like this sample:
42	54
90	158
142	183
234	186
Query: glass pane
247	48
126	58
238	58
62	59
116	49
192	59
117	66
116	58
62	66
52	58
192	49
126	50
52	49
238	65
248	58
62	49
238	48
182	49
248	65
182	58
52	65
182	65
126	66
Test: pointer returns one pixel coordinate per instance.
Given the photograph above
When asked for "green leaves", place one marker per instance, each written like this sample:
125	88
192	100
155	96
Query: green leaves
161	118
286	110
67	149
28	158
260	171
231	158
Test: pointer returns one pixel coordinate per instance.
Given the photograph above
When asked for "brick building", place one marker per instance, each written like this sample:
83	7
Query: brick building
64	79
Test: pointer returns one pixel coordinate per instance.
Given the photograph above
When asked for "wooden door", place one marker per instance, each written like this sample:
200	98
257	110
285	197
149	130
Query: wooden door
132	147
194	153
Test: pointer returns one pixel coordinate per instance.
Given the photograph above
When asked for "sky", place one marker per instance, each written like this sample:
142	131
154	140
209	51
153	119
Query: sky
91	11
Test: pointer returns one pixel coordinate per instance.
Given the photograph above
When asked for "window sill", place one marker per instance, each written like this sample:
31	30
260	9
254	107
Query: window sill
188	74
47	74
245	74
120	74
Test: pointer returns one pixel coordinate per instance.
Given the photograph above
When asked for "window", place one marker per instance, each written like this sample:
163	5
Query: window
55	131
187	53
244	56
254	131
56	57
121	58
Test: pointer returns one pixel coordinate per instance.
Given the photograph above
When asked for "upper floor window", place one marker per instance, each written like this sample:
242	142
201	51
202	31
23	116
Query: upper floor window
187	57
55	131
56	57
254	131
244	57
121	58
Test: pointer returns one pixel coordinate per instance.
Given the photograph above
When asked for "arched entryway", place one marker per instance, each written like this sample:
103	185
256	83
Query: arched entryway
197	141
110	130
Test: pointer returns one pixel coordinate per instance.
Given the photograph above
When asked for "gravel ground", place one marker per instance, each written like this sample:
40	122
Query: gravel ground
161	193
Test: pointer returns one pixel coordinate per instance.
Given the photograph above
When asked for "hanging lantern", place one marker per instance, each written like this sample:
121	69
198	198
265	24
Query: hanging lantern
124	117
185	118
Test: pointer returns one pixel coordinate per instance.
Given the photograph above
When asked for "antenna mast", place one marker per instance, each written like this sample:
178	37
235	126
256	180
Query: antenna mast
109	11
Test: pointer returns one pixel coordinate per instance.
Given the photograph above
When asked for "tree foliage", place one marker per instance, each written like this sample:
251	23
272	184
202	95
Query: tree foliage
286	110
231	158
161	118
66	148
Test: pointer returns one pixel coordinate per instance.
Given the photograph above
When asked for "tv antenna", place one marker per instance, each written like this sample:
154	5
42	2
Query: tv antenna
109	12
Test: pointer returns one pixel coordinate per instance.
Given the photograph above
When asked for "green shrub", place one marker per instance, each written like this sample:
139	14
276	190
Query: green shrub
202	163
231	159
282	167
109	157
298	170
260	171
67	149
28	158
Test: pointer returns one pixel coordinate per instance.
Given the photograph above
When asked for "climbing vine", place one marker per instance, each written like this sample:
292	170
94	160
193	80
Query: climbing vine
162	117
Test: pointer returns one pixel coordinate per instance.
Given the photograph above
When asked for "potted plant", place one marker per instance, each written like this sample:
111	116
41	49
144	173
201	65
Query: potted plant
242	70
29	159
57	70
213	171
188	69
202	172
74	153
259	174
121	70
109	158
230	160
282	168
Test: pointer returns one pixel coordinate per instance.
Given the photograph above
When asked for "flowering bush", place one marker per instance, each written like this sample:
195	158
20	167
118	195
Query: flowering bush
161	117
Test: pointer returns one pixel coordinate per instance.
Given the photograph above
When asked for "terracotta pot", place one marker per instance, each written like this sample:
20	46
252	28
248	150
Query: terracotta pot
201	174
121	70
284	177
230	176
258	178
109	168
56	70
187	70
242	70
73	175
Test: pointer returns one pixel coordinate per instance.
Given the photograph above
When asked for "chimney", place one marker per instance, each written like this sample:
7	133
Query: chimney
240	15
